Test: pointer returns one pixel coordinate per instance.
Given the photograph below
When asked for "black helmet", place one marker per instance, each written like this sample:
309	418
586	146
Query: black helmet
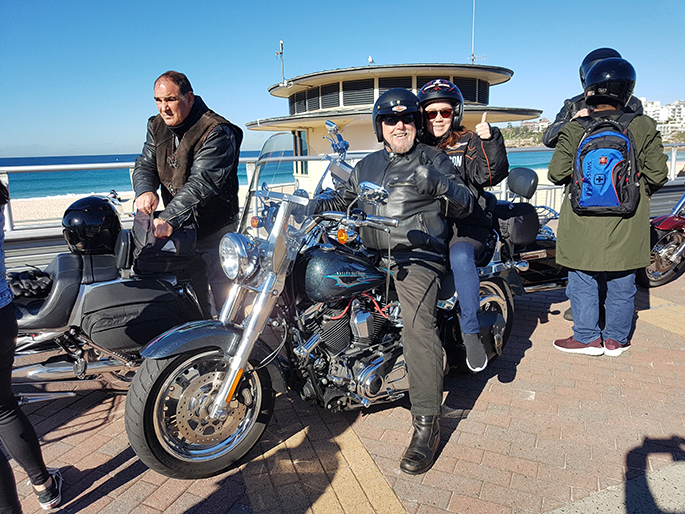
593	58
91	225
397	101
610	81
441	89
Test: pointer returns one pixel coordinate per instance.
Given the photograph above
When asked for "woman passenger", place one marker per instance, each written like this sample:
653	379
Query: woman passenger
481	159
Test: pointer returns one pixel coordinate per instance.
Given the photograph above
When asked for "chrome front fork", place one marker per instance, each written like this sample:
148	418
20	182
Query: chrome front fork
254	324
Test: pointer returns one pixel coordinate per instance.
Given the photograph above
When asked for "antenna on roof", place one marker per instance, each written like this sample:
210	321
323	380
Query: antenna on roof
473	37
280	54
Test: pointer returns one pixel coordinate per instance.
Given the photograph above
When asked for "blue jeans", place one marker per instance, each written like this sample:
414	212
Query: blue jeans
467	284
583	291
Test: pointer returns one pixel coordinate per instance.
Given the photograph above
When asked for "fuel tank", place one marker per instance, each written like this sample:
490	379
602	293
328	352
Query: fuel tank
332	275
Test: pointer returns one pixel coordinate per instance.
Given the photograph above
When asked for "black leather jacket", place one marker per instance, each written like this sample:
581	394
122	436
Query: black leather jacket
211	189
423	228
570	108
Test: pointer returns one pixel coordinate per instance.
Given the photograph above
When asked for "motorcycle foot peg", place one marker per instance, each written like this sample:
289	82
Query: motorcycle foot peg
80	367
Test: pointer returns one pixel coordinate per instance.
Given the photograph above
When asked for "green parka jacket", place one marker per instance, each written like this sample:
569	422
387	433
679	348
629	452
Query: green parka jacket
608	243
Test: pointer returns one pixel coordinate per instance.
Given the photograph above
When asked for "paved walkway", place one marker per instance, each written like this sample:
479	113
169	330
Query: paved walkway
538	431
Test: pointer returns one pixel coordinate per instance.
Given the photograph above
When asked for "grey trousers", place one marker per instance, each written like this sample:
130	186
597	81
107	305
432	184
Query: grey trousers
417	286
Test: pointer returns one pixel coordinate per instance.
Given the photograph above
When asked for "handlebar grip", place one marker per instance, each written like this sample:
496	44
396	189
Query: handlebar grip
388	222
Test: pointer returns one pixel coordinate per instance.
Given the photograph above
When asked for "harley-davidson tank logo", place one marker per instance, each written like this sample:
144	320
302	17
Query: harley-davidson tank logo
351	277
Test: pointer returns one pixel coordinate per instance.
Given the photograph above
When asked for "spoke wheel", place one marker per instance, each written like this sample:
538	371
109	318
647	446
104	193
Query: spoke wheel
661	269
176	436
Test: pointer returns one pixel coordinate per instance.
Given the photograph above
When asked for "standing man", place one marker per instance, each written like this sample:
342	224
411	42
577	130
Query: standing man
576	106
192	153
603	251
420	180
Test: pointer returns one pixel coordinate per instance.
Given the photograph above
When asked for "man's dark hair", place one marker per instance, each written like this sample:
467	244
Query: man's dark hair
4	194
179	79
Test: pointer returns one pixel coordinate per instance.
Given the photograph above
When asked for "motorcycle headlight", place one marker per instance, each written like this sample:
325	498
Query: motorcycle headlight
239	256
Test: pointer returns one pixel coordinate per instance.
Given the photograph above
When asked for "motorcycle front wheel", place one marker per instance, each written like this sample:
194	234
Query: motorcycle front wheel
167	419
661	269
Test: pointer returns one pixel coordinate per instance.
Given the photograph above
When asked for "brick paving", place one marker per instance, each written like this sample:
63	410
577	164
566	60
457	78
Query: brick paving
535	431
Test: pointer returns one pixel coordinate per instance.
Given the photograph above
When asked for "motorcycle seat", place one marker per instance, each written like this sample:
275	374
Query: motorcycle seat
65	270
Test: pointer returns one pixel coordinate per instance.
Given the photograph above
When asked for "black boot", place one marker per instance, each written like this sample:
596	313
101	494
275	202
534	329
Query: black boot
420	455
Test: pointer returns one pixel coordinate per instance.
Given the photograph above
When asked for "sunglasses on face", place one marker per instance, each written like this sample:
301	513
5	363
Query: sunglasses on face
445	113
394	120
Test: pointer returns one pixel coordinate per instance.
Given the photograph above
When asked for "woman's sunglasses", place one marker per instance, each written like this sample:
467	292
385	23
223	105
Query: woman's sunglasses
445	113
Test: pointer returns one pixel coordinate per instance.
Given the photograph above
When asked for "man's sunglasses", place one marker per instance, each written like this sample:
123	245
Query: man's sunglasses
445	113
393	119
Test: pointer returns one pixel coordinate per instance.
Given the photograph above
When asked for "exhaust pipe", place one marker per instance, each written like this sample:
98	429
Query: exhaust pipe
52	371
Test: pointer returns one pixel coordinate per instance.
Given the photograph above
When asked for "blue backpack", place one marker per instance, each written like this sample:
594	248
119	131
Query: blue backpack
606	179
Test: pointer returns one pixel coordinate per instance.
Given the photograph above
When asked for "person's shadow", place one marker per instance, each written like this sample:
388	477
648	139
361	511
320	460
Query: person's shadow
639	498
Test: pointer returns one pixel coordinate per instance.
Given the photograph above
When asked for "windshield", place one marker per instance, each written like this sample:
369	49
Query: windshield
276	201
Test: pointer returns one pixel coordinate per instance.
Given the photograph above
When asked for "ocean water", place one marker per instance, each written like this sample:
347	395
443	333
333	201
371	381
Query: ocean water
45	184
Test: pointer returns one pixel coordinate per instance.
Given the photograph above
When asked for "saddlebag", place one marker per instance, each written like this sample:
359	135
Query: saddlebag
154	255
127	315
518	222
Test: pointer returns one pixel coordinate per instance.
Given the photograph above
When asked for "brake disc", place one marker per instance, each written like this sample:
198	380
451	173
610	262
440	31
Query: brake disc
192	413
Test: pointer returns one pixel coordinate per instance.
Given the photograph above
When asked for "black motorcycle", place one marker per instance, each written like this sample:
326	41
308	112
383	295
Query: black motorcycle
87	315
310	310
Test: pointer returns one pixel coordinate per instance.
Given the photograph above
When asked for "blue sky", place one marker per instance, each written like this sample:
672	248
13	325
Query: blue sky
77	76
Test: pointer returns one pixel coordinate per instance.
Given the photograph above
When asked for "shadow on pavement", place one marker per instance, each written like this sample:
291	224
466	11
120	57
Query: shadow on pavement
639	498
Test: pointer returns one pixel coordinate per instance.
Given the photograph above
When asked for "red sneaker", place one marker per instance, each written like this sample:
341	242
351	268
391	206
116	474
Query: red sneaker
613	348
570	345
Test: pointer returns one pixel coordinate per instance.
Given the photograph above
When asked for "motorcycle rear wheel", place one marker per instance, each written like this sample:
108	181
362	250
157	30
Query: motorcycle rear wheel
661	269
167	422
497	298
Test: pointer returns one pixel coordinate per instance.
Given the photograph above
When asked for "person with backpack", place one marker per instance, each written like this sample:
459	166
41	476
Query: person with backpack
611	162
576	106
481	160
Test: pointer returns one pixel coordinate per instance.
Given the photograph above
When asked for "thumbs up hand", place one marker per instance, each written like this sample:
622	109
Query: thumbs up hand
483	128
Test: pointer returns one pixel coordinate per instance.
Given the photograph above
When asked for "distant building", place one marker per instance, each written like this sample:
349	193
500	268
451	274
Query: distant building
670	118
535	125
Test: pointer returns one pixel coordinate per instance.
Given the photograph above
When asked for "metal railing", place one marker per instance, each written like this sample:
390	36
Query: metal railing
546	194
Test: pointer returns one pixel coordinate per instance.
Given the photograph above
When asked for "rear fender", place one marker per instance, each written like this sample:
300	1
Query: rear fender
210	334
666	223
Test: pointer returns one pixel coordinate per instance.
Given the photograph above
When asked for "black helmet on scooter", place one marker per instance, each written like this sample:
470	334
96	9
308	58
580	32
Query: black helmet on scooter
396	101
593	58
91	226
441	89
610	81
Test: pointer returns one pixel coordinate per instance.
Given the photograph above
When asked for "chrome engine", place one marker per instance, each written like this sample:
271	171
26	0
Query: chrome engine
353	356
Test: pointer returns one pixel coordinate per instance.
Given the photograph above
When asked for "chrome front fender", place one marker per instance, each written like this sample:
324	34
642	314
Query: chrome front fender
209	334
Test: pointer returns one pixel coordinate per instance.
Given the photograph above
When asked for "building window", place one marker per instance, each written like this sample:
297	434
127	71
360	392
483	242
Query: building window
300	102
468	88
313	99
358	92
330	96
422	81
483	92
385	83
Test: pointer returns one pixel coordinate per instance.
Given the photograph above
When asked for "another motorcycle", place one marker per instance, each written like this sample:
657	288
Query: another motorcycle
87	315
310	310
667	234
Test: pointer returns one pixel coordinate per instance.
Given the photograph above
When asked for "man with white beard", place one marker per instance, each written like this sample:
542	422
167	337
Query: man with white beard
424	189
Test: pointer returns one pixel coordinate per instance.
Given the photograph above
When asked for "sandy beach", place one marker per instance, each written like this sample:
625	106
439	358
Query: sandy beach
27	211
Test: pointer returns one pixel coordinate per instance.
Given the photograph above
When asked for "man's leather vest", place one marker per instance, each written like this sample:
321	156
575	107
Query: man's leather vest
173	165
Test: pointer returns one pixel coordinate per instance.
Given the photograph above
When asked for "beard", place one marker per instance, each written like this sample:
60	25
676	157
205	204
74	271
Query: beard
401	145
